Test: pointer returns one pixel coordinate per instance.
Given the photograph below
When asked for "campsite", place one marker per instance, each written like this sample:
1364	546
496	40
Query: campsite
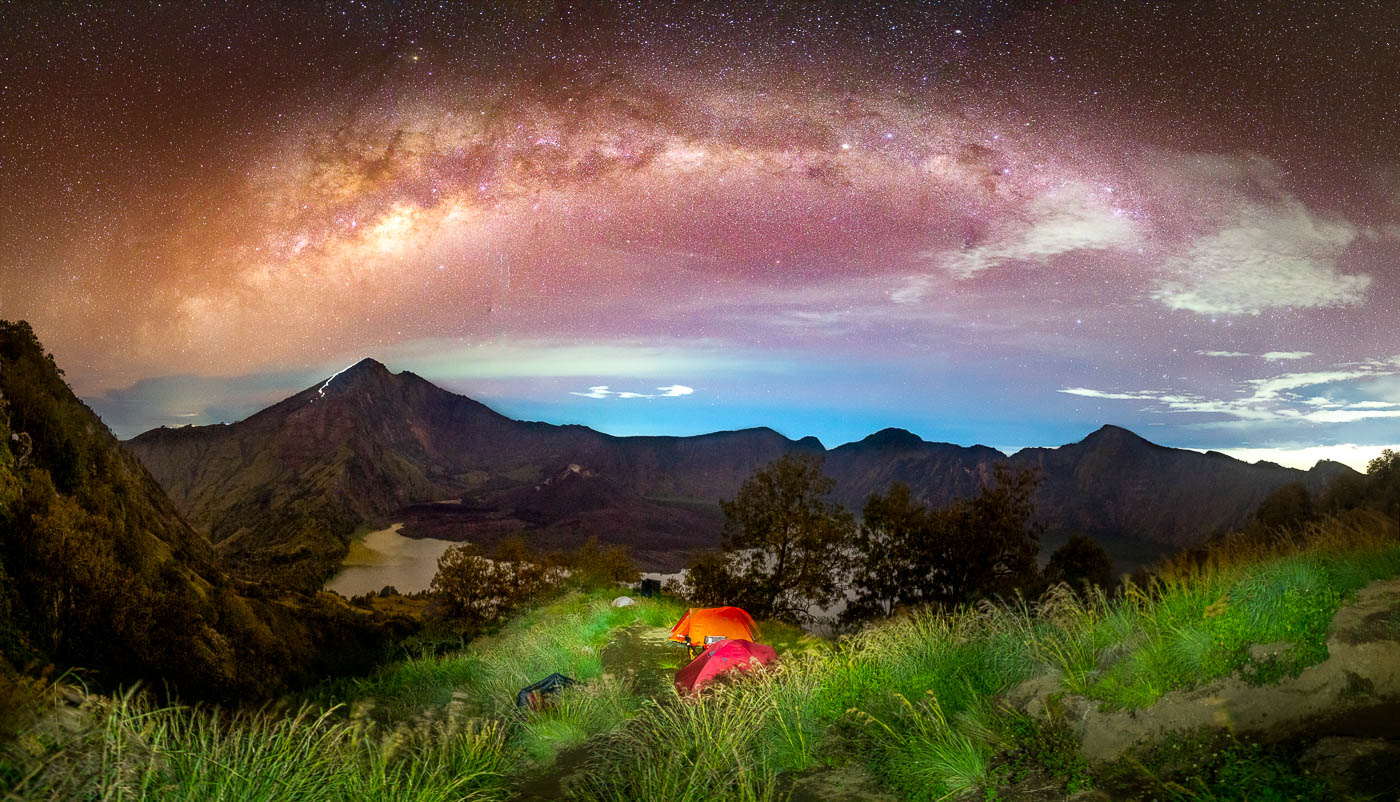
720	401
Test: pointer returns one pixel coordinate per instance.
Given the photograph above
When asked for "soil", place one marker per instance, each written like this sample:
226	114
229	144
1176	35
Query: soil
644	658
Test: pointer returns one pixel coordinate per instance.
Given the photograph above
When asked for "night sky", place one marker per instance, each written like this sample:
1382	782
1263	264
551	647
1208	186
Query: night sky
1003	223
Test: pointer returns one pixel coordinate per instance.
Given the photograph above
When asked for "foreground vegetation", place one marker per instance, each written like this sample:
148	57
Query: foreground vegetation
912	702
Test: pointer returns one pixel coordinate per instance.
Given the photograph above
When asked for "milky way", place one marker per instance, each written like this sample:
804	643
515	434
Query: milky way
992	222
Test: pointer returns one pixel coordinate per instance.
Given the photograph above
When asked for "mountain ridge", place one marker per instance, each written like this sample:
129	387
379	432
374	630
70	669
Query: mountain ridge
280	491
99	570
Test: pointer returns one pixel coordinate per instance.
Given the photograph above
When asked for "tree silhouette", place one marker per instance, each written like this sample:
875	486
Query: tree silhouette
1079	562
788	544
908	555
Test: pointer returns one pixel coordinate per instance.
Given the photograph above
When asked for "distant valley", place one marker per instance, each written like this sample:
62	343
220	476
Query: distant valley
281	492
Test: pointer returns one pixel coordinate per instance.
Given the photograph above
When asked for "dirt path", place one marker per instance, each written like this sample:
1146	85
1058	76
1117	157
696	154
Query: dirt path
645	661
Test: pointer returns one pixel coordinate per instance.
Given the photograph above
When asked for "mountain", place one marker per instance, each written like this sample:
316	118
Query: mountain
99	570
1114	483
280	492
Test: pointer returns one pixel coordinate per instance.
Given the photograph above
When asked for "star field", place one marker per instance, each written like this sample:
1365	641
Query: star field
986	222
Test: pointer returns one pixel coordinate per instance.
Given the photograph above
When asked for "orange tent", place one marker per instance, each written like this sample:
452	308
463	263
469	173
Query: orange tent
701	626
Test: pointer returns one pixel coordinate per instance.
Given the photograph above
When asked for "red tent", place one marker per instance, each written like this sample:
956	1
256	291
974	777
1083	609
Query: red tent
718	658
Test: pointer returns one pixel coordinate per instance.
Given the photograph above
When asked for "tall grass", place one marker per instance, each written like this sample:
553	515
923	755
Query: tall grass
141	751
566	636
689	750
914	701
915	698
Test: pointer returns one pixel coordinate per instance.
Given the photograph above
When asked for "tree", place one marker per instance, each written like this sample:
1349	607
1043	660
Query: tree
787	542
909	555
1289	506
709	581
1383	472
519	572
1080	562
991	539
1346	491
593	564
892	538
467	588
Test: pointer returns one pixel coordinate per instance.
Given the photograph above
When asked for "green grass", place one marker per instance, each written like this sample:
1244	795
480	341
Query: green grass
566	635
1212	766
139	751
914	700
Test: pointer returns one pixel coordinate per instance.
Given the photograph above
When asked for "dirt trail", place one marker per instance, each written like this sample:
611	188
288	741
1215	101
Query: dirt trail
645	661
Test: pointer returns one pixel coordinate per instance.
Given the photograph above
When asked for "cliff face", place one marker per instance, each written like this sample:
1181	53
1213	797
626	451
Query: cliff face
99	570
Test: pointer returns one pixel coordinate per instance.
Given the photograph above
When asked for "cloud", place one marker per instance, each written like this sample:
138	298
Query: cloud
1076	218
185	399
1145	395
1277	356
913	291
1277	256
1304	457
1275	398
1221	353
598	391
603	391
620	358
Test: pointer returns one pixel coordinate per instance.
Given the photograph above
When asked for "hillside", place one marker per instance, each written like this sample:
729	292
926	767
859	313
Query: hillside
280	492
1266	672
99	571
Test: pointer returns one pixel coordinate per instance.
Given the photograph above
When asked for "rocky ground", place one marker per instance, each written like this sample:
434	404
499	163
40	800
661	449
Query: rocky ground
1342	716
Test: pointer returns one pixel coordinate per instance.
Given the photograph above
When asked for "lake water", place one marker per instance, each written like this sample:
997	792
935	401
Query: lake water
386	557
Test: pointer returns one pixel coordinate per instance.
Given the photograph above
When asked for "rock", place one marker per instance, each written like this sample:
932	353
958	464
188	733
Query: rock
1263	652
1362	670
1364	766
1030	696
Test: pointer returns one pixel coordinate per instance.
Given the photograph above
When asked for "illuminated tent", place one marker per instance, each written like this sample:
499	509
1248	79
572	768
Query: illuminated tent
701	626
721	658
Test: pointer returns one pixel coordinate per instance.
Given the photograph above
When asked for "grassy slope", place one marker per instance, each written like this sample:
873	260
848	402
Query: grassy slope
913	701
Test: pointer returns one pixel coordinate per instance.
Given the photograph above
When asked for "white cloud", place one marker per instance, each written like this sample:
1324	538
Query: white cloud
913	291
1221	353
1270	257
668	391
1277	356
1274	398
1305	457
1076	218
1275	386
1145	395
